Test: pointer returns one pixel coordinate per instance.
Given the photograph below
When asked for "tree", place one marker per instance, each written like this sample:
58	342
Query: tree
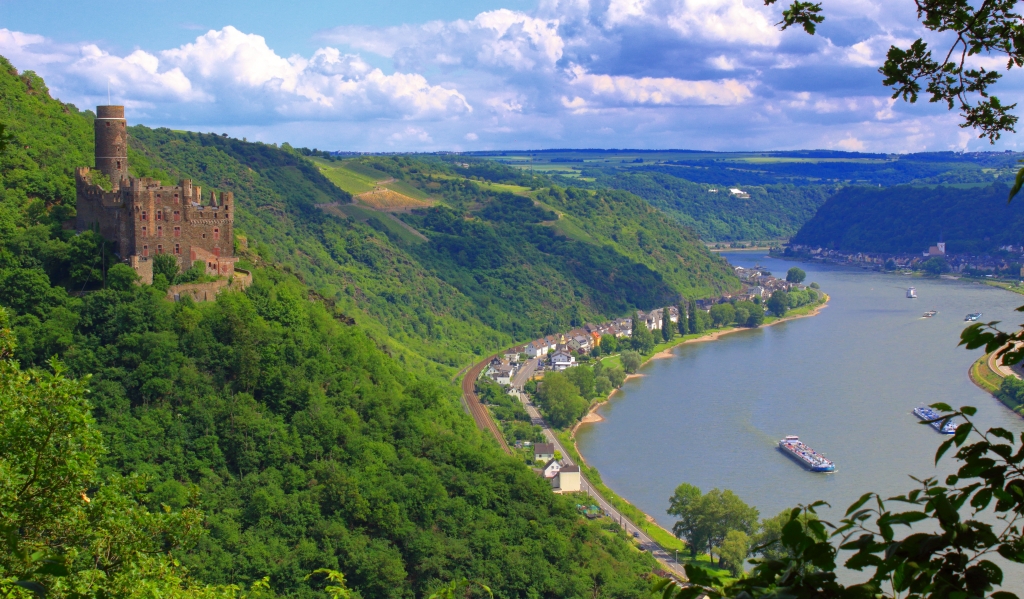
631	361
642	339
936	265
722	314
706	520
684	325
703	320
685	505
693	324
795	275
166	265
615	375
560	400
667	330
734	551
583	378
602	386
67	531
121	277
778	303
609	343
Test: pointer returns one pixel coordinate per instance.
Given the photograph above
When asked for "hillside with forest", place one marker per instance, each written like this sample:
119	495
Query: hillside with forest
777	191
311	421
772	211
906	219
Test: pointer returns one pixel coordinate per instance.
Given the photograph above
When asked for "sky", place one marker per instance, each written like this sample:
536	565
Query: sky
421	75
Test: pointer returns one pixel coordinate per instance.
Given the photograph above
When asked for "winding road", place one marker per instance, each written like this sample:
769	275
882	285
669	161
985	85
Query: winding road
484	421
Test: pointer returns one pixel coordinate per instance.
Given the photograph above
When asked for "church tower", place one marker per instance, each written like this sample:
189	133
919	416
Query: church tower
112	143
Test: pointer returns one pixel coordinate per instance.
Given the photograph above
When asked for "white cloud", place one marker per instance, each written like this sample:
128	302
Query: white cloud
722	63
664	91
850	144
642	73
502	39
726	20
238	74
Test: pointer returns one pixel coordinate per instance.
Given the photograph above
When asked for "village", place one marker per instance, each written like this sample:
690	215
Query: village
558	352
1008	262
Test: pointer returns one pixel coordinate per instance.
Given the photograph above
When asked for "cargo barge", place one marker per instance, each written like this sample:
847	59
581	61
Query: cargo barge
807	457
946	427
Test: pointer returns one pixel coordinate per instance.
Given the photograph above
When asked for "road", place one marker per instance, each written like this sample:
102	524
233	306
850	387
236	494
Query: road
485	422
663	556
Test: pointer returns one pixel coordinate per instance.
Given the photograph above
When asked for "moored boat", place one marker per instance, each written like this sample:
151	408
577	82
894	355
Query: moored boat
945	426
807	457
911	293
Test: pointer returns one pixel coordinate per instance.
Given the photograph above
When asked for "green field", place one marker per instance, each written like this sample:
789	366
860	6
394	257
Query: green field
382	221
357	178
350	181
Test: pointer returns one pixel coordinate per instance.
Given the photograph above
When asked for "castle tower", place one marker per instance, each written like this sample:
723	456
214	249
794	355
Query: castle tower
111	142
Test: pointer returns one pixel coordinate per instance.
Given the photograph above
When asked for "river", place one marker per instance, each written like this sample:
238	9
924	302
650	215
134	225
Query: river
845	381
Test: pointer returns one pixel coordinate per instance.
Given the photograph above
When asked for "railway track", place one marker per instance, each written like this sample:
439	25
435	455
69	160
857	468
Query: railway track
478	410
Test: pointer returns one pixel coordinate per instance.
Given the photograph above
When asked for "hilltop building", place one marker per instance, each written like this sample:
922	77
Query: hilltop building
143	218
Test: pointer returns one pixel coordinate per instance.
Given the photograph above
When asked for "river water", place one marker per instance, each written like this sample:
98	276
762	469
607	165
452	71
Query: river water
845	381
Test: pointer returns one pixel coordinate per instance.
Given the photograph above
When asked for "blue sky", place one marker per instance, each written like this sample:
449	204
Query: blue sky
490	74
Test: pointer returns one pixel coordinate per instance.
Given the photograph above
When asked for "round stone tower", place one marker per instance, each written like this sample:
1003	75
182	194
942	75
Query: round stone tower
112	142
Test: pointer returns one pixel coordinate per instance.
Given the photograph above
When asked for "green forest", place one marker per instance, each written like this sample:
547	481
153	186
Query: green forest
309	422
772	211
906	219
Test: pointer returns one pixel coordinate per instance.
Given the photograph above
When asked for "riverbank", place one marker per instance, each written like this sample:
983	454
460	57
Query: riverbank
662	535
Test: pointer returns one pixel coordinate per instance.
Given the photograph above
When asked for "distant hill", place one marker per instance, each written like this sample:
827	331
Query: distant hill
785	188
910	219
770	211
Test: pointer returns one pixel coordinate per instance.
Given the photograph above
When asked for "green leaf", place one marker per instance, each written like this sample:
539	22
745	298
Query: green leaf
34	587
943	448
1017	184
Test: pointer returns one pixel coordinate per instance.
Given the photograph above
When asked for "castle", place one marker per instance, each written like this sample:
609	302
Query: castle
143	218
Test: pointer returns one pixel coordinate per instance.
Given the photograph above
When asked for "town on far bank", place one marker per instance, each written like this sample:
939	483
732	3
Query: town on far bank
1006	264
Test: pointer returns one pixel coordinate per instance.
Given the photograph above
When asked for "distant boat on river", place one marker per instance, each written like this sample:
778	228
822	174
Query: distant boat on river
946	427
929	313
972	317
911	293
810	459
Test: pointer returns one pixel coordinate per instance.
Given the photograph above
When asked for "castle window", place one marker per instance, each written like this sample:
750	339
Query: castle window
204	235
216	233
216	252
143	217
118	165
144	233
108	123
159	249
159	214
177	214
177	231
176	198
177	249
159	231
145	250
